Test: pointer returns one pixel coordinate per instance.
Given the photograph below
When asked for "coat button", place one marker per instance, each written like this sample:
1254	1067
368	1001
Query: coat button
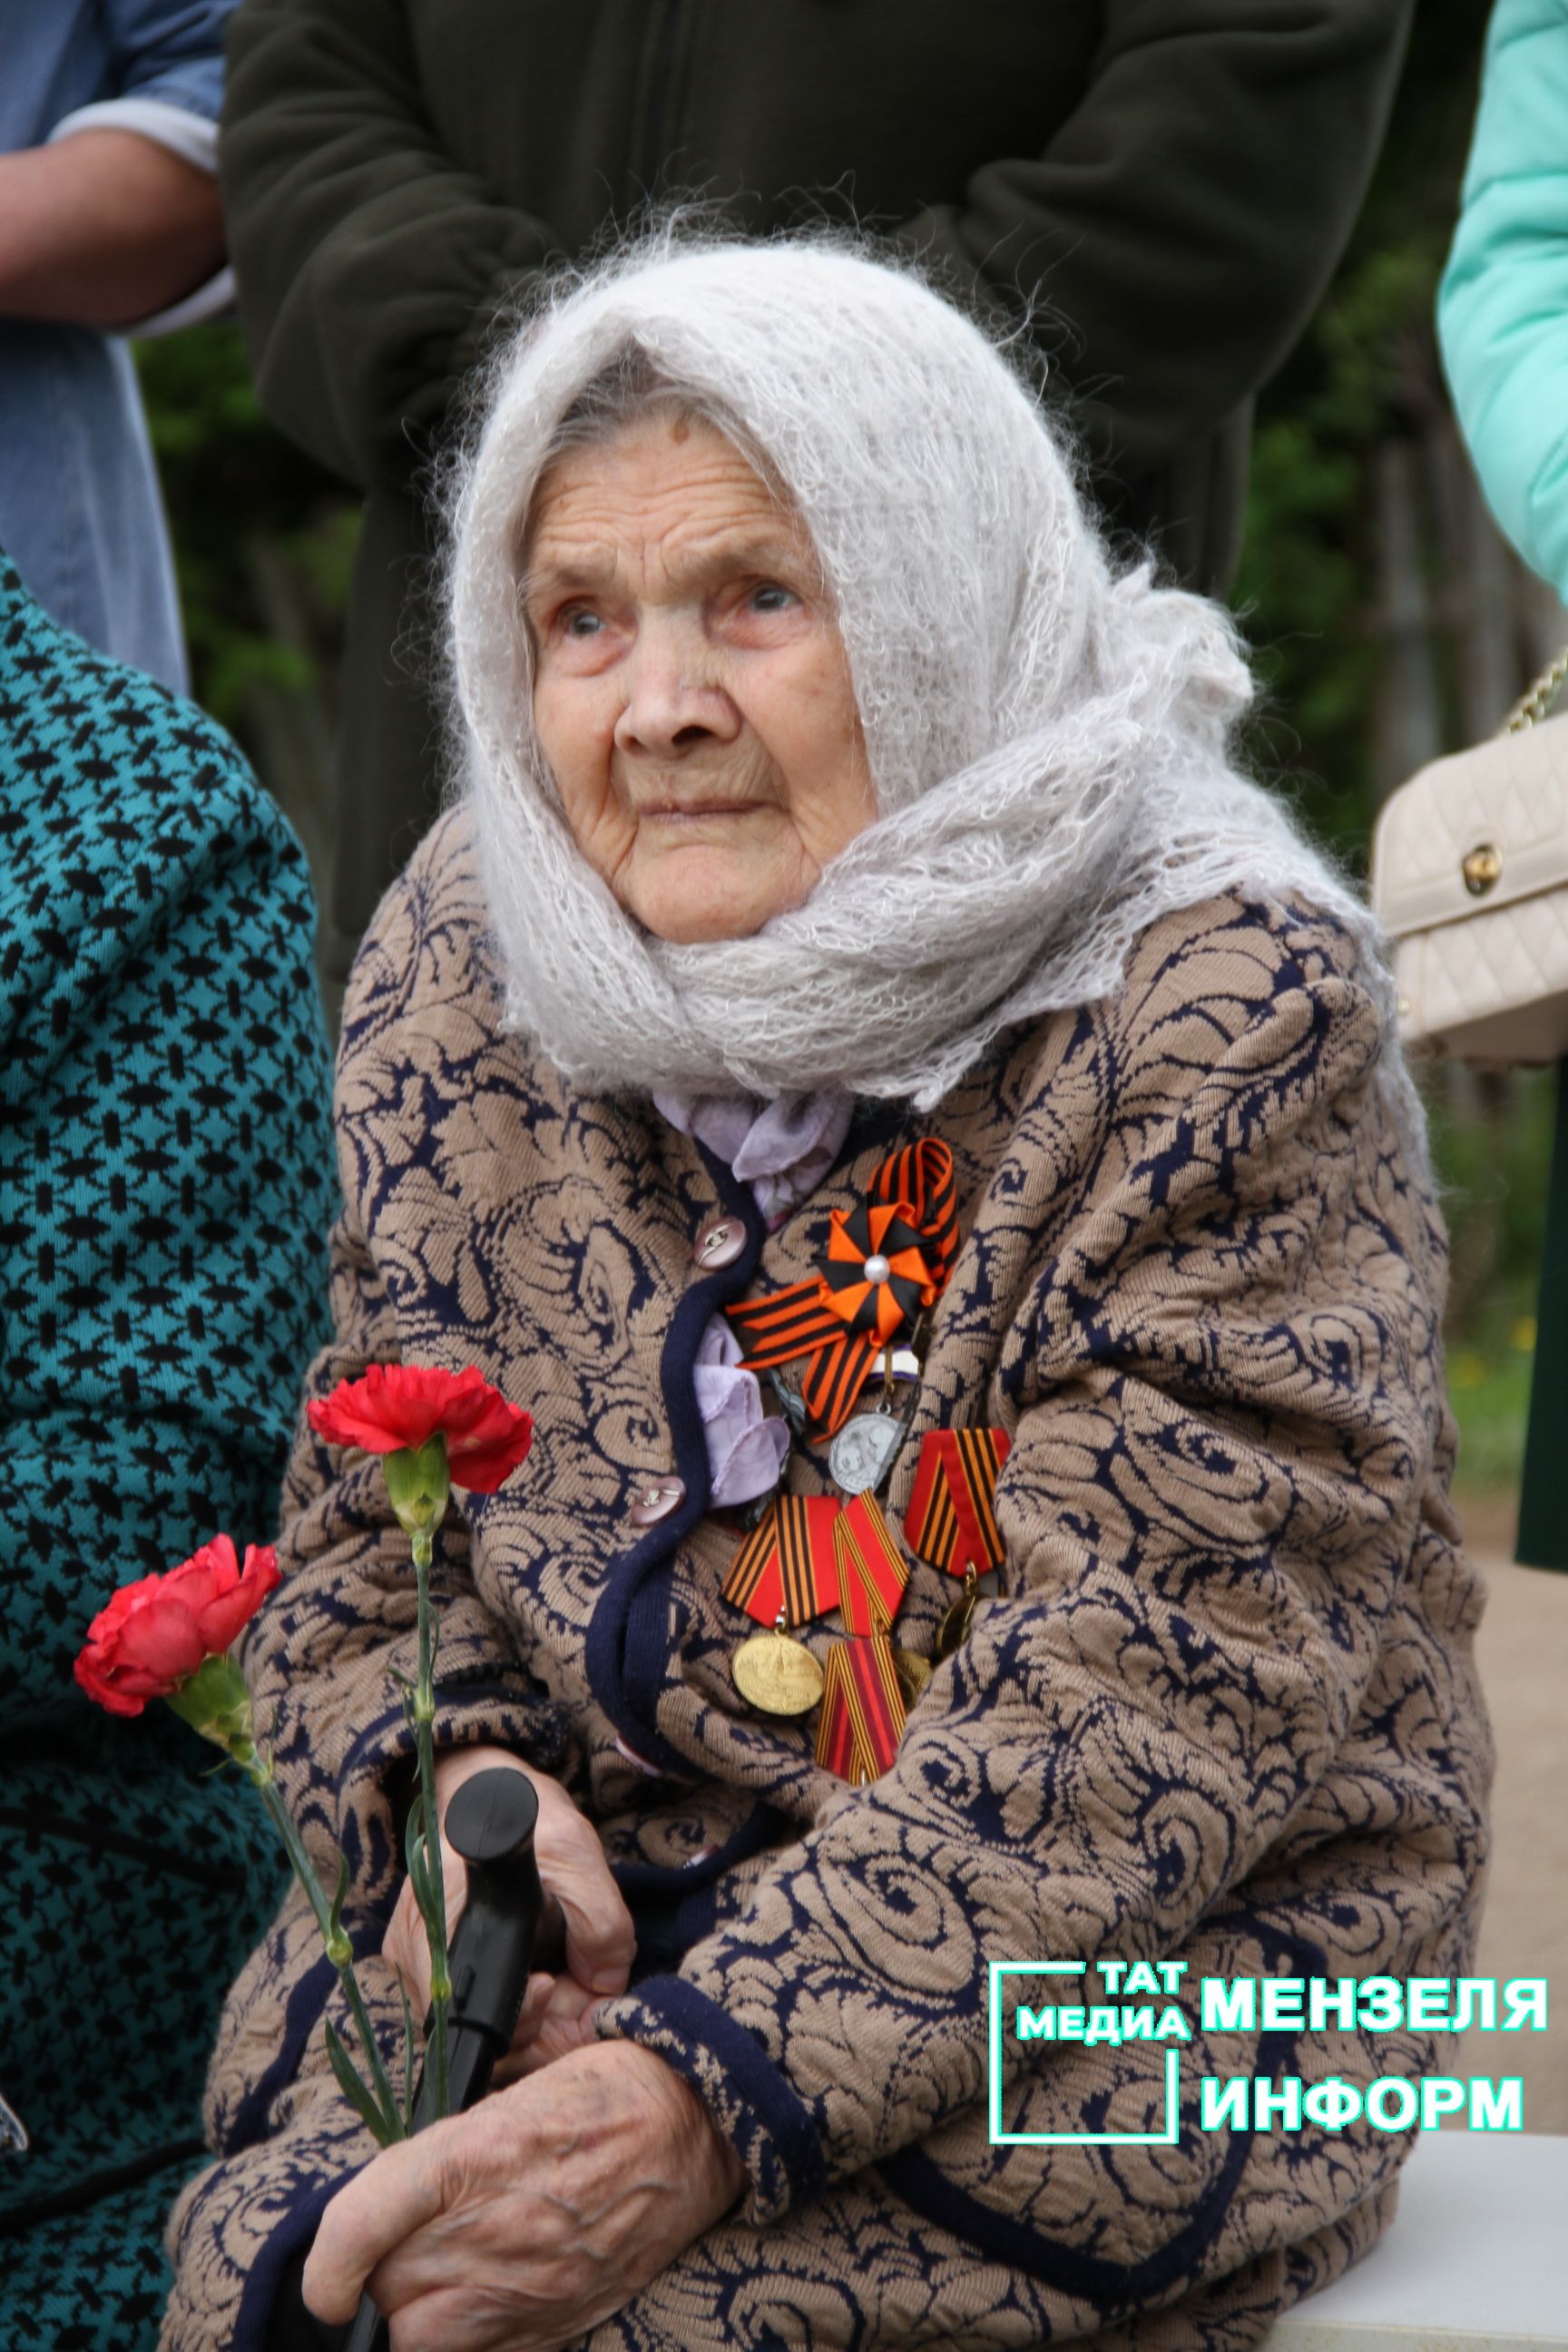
720	1242
655	1500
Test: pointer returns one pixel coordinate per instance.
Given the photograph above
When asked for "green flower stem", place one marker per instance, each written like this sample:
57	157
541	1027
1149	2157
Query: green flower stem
340	1951
437	2080
215	1702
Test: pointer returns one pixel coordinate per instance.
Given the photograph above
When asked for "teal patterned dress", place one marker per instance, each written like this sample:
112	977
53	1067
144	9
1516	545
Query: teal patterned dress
166	1187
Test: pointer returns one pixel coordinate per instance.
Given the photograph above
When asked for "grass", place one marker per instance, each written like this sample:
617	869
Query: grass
1490	1386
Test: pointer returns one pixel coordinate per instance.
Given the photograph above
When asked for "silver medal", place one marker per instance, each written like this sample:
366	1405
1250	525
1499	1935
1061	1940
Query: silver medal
863	1449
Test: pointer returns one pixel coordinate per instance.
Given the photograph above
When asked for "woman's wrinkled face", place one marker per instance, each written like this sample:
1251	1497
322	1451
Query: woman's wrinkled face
691	690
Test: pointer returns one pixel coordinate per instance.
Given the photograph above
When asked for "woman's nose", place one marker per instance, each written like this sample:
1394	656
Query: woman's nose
674	703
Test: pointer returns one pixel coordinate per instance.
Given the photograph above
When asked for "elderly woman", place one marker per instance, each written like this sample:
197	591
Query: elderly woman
854	953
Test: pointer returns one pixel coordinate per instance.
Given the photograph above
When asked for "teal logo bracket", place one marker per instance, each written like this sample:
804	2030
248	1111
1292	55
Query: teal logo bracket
1166	2137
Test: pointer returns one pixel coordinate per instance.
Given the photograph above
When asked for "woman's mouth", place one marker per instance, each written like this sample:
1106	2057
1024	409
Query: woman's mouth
679	813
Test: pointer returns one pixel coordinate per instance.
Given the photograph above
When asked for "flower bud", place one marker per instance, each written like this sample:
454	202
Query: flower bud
416	1482
215	1702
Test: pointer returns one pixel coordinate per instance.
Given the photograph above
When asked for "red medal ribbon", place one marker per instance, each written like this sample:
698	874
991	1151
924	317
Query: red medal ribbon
951	1518
872	1570
788	1562
862	1710
842	1318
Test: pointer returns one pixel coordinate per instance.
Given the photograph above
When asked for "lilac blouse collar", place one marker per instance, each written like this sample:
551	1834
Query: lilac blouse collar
783	1148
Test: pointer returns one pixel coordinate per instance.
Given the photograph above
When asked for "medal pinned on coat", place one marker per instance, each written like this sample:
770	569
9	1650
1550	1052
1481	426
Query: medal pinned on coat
784	1574
884	1265
808	1555
863	1452
951	1518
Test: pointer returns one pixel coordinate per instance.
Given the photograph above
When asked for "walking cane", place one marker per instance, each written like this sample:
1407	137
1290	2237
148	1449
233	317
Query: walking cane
490	1823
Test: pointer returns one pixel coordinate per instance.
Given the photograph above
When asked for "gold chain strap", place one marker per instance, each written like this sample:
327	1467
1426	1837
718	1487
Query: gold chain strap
1533	705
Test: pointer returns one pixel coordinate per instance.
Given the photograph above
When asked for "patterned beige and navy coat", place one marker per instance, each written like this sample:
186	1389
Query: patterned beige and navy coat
1221	1709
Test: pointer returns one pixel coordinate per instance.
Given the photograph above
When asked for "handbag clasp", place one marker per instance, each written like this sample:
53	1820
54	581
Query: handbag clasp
1481	868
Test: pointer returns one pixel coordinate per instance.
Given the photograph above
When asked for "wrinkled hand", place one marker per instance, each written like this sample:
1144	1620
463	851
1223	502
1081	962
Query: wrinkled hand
541	2212
557	2010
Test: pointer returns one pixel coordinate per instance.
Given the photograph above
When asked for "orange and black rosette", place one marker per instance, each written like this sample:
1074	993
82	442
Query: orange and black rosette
887	1259
875	1269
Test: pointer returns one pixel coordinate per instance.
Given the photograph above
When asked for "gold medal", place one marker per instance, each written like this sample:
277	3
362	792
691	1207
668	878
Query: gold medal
777	1674
953	1631
913	1671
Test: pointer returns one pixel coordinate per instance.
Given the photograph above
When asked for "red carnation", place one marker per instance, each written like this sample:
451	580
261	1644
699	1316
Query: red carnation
400	1407
156	1632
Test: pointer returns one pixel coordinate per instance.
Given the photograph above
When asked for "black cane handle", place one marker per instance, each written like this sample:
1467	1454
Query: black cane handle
509	1926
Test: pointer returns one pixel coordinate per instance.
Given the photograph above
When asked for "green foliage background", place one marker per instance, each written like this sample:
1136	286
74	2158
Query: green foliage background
265	541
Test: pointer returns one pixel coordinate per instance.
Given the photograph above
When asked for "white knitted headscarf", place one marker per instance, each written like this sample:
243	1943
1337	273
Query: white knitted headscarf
1047	741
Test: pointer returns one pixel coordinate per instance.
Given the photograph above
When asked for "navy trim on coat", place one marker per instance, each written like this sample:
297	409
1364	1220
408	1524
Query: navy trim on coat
294	2235
757	2081
626	1653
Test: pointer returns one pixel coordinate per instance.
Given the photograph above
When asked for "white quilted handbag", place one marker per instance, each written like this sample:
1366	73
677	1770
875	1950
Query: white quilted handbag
1469	879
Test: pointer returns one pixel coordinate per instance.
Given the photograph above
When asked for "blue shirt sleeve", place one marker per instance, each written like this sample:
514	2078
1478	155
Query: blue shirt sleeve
168	50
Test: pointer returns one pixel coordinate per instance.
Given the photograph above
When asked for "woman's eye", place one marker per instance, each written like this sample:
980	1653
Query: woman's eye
770	597
577	621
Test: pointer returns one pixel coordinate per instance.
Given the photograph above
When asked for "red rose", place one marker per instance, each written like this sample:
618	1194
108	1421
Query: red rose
155	1633
400	1407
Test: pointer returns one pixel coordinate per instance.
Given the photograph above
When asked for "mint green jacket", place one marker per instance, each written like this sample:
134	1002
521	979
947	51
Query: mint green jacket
1502	308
